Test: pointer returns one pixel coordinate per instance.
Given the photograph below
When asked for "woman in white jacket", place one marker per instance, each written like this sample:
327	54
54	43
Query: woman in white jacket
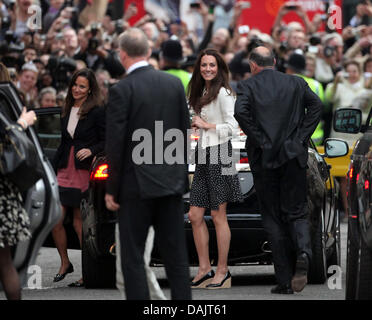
215	181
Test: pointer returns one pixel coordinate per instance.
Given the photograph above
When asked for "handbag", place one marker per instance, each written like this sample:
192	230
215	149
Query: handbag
19	160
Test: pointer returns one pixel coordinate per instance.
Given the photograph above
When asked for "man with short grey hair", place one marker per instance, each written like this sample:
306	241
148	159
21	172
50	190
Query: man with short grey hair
147	193
278	113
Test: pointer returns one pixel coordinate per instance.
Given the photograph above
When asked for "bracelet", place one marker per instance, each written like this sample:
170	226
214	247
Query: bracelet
24	122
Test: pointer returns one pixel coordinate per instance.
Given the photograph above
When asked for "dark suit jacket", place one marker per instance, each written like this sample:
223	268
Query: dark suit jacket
136	102
89	133
278	113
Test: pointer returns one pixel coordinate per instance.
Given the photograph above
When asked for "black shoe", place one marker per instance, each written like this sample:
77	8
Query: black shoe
76	284
204	281
59	277
299	280
225	283
282	289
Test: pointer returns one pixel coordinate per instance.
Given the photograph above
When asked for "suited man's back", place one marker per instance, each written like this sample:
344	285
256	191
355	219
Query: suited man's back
156	103
278	102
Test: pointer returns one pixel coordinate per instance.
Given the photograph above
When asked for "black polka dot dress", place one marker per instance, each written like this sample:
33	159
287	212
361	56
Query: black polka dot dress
214	182
14	221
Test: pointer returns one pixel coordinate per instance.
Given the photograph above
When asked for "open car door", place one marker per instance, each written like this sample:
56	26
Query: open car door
41	201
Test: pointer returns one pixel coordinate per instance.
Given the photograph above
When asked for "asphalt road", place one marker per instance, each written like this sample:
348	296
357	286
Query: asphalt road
249	282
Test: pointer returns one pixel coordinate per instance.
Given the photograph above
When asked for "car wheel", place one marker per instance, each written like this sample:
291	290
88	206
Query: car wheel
351	259
97	272
364	274
318	267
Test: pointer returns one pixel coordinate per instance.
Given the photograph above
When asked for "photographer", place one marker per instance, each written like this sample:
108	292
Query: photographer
296	8
96	57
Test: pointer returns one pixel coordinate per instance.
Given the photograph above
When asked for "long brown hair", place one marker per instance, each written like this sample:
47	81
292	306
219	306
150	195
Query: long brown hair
197	83
94	98
4	74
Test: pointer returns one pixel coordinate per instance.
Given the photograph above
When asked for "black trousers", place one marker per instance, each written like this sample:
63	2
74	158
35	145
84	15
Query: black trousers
166	216
283	202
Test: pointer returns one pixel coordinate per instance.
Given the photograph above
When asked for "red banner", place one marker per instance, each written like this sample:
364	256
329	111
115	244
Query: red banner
261	13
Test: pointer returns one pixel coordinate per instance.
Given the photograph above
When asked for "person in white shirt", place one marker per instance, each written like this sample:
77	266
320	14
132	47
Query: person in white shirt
212	100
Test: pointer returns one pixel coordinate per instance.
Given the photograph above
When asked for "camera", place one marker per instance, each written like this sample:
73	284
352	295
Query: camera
291	7
5	22
94	42
329	51
194	5
324	17
315	40
10	4
283	46
61	68
245	4
119	26
243	29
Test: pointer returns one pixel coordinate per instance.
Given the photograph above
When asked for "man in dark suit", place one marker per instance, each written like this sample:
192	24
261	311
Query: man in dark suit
278	113
144	185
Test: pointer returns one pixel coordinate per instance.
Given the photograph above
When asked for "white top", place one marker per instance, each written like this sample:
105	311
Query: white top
221	113
72	121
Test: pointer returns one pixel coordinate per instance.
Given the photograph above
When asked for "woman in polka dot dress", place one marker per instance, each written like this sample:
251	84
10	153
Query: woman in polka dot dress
212	100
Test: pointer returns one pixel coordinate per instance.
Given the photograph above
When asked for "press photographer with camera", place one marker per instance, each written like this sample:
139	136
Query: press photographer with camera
96	57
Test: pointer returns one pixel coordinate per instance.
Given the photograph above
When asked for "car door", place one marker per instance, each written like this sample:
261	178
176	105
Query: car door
41	201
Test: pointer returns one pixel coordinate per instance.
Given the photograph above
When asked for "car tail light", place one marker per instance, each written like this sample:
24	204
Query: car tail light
351	173
194	137
100	173
366	185
244	160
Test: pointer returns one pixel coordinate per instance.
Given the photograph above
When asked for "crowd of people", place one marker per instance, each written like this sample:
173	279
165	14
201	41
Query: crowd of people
337	64
73	62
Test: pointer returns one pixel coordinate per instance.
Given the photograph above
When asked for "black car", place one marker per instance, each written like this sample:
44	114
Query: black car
41	201
249	243
359	239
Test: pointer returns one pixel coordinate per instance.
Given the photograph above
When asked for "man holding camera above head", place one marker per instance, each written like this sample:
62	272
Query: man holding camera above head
96	57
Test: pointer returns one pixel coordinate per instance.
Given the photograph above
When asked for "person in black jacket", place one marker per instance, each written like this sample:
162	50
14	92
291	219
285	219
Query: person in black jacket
279	113
83	137
148	191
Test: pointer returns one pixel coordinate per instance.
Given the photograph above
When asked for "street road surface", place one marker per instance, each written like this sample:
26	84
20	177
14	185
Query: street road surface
249	282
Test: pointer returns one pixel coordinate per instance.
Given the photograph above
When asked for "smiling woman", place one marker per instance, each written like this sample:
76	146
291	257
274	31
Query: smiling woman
83	133
213	101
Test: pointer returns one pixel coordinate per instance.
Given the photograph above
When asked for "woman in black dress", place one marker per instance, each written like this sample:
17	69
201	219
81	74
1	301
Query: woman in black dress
83	136
212	100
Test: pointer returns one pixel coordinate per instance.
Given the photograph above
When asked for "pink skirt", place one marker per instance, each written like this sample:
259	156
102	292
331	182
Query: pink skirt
72	182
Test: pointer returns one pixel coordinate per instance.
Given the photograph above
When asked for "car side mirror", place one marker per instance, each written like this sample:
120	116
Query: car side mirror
335	148
347	120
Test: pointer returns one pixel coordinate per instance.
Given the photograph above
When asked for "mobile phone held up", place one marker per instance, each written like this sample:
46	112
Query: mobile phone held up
194	5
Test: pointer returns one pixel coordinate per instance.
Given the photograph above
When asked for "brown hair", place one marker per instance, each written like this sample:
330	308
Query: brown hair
197	83
352	62
4	74
94	98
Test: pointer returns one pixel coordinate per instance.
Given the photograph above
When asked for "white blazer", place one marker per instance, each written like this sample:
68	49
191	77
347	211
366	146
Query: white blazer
221	113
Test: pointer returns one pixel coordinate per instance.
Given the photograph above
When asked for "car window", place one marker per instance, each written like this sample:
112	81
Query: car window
48	129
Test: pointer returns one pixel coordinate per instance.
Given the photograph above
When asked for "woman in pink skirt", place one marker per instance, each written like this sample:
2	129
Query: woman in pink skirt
83	136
